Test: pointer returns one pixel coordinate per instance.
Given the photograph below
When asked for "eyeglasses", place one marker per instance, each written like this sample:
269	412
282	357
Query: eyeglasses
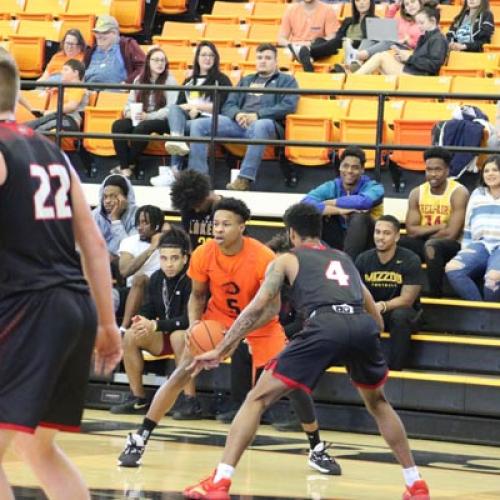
206	54
71	44
158	60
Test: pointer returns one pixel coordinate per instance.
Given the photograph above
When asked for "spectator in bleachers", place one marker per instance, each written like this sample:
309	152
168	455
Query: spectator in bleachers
193	196
139	258
427	58
115	214
352	28
114	58
72	47
472	27
75	100
408	34
306	23
480	254
152	118
435	217
193	104
250	115
393	276
349	204
160	326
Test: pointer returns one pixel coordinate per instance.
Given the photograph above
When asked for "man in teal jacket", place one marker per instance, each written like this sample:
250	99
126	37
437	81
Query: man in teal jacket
349	204
250	115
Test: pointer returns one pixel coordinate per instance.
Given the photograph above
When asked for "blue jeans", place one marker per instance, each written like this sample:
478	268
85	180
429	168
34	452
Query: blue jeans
179	124
477	263
260	129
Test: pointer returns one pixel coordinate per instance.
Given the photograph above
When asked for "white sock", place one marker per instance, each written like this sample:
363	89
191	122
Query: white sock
224	471
411	475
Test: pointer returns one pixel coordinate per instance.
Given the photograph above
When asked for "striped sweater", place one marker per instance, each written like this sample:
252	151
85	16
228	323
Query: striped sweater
482	220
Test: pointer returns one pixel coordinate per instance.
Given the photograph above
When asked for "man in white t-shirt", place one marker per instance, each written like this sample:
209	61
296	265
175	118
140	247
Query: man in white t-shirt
139	257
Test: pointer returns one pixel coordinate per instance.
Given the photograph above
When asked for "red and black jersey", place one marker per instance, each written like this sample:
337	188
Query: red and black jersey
37	244
326	276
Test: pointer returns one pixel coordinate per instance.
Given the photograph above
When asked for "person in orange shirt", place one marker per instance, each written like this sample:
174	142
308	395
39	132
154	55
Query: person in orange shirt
72	47
75	99
229	269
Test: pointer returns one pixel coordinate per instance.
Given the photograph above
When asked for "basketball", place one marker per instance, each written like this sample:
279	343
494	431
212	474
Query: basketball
205	335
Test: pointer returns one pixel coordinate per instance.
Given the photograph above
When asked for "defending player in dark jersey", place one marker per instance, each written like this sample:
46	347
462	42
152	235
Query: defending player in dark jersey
342	328
47	318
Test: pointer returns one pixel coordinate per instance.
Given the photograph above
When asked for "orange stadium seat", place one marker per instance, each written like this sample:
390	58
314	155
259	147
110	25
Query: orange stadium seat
50	30
313	120
225	34
232	57
263	11
448	13
261	33
29	53
172	7
53	7
494	45
471	63
37	99
129	14
413	83
210	18
96	7
182	33
471	85
370	82
11	7
82	22
234	9
99	120
106	99
414	128
326	81
22	16
8	28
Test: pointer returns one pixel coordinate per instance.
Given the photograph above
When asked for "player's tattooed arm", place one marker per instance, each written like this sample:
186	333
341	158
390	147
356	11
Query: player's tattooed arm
264	306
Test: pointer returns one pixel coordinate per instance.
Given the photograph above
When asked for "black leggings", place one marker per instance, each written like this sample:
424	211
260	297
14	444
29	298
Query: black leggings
128	151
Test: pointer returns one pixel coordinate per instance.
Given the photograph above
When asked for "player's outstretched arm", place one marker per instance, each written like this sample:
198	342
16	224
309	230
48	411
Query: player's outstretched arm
264	306
371	308
95	262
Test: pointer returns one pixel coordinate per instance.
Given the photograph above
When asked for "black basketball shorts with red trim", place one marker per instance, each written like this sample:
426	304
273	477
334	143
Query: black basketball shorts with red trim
46	342
333	339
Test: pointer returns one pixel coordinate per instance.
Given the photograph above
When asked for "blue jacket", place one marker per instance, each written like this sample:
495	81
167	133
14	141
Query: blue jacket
273	106
367	195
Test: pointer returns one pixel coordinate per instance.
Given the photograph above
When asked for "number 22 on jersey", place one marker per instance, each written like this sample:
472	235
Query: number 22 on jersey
48	190
336	272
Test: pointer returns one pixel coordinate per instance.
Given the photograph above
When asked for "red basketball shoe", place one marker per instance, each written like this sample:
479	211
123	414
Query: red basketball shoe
417	491
210	490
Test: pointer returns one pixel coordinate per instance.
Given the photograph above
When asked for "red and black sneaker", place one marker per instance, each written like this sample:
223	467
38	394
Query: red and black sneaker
209	490
417	491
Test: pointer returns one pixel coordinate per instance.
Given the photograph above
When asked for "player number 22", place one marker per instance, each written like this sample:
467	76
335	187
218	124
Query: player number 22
336	272
43	208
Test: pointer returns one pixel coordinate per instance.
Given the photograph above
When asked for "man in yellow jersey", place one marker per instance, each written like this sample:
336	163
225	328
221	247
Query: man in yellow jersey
435	217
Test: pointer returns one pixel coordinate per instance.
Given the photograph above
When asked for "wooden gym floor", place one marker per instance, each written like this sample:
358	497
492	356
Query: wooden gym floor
181	453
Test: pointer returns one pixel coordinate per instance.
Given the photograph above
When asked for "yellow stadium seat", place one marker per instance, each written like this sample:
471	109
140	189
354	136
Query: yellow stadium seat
53	7
267	13
50	30
495	9
222	19
11	7
29	53
471	85
106	99
172	7
8	28
494	45
327	81
22	16
413	83
234	9
184	33
470	63
82	22
370	82
232	57
448	13
313	120
37	99
225	34
95	7
129	14
99	120
414	128
261	33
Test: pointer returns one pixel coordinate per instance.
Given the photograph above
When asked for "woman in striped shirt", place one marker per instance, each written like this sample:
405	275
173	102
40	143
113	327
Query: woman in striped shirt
480	254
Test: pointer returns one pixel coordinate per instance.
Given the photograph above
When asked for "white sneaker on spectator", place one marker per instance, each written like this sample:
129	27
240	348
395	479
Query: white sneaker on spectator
164	179
350	54
176	148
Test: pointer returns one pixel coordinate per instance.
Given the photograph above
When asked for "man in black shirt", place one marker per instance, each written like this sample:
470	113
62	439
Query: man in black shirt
159	328
342	328
394	277
192	195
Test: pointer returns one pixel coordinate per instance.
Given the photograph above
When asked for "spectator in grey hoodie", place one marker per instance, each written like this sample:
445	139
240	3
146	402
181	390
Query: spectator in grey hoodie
115	214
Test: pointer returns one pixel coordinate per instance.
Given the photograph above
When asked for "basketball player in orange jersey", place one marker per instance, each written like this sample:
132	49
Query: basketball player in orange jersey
229	269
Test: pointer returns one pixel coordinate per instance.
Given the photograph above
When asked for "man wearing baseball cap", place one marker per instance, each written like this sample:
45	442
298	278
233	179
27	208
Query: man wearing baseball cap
114	58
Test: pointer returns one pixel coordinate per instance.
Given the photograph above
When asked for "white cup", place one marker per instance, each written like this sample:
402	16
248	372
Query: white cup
235	172
135	110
